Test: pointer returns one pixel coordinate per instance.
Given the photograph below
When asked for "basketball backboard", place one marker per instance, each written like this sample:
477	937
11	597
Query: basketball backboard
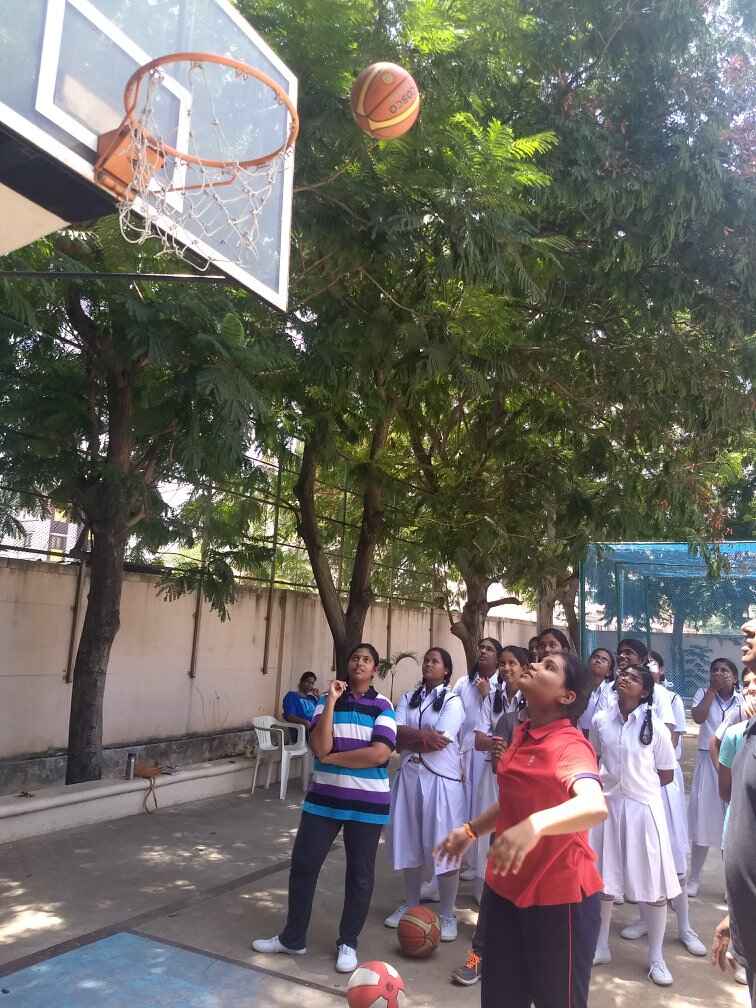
65	66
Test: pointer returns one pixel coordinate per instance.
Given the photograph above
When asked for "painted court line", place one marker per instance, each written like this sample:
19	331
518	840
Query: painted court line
130	923
301	981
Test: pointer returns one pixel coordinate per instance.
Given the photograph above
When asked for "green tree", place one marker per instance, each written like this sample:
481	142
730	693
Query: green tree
106	390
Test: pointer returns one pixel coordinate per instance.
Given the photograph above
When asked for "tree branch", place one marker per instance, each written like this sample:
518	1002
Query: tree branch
509	600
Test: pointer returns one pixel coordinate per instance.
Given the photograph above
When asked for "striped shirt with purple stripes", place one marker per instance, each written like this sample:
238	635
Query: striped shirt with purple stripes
360	794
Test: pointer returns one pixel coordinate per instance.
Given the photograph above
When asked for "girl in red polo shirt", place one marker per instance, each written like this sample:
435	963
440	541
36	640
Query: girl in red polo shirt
541	898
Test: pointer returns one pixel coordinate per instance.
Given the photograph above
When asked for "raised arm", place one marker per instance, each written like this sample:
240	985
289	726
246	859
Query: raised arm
586	808
321	736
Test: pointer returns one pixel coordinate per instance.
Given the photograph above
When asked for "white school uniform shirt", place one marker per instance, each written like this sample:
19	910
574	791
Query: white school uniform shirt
661	706
472	702
487	719
719	711
626	766
597	695
448	721
679	720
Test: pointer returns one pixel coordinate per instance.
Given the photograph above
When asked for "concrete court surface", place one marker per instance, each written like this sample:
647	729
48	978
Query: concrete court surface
158	912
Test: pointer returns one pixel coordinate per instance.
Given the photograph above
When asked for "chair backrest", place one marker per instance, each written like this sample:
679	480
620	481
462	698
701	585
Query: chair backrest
266	739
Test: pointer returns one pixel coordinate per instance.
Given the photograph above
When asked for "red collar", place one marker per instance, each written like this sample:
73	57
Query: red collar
541	731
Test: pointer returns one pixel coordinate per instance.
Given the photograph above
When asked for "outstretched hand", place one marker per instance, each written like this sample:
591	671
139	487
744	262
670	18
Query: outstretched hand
454	845
511	847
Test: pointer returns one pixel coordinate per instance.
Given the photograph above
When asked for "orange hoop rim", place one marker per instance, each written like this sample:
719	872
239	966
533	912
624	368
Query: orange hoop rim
131	96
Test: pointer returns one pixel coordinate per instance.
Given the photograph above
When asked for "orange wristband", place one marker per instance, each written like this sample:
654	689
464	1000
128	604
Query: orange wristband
470	831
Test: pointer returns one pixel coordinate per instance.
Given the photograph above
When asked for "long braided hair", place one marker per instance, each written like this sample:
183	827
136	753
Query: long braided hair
438	703
647	728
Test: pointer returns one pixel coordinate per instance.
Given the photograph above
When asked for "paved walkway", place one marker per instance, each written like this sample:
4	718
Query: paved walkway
159	911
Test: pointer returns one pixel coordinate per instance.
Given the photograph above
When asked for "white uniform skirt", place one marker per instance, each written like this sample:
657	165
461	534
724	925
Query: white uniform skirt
677	820
424	809
634	853
706	810
486	796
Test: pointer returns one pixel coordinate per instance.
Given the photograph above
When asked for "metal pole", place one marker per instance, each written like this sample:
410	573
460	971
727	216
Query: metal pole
648	614
582	629
74	622
281	639
269	607
196	627
618	586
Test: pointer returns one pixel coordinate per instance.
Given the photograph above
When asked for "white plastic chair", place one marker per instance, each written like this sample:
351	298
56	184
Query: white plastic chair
273	748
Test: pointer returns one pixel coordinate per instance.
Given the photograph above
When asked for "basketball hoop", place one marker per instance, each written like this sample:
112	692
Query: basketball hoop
204	185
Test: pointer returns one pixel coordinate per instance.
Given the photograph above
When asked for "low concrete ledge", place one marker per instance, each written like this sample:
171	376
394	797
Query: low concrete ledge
63	807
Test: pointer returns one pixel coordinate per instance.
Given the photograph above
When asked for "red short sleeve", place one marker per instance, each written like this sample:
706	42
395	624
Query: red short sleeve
577	759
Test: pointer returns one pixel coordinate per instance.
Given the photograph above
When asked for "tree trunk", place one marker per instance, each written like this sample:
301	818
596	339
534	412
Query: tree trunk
307	527
108	516
346	626
568	597
470	627
101	624
548	596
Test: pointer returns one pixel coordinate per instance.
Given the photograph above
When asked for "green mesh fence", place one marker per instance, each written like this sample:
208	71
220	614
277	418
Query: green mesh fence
664	594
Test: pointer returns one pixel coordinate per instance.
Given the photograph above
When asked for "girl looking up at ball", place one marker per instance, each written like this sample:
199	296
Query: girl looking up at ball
635	855
428	796
541	895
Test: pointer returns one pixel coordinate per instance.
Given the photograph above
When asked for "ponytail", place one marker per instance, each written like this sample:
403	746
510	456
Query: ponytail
440	700
416	697
647	728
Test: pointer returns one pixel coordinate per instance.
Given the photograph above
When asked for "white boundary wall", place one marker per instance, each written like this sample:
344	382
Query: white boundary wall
149	693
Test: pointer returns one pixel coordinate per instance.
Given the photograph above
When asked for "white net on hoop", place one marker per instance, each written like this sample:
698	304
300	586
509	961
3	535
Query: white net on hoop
215	113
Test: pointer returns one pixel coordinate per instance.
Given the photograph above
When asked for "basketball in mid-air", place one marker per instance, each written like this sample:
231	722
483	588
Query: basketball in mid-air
419	932
375	985
385	101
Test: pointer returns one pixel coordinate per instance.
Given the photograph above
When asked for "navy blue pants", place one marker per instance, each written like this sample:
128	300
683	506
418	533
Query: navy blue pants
538	955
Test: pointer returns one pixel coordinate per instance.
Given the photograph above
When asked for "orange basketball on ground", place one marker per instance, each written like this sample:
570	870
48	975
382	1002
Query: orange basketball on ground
419	932
385	101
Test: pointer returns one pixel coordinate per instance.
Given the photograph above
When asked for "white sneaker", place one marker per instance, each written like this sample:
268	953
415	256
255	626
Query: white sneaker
602	957
448	928
273	945
429	892
659	973
467	875
393	919
741	976
635	930
693	887
620	901
693	943
346	959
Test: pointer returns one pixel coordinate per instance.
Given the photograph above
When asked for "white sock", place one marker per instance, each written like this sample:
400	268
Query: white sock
607	906
448	883
413	881
680	906
697	858
656	920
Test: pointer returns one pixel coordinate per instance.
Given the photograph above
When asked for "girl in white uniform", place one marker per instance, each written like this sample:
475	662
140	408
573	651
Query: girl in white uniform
636	759
673	796
632	651
473	689
428	796
706	810
504	698
601	665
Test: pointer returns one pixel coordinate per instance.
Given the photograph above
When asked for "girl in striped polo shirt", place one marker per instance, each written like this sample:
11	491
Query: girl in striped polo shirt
352	736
